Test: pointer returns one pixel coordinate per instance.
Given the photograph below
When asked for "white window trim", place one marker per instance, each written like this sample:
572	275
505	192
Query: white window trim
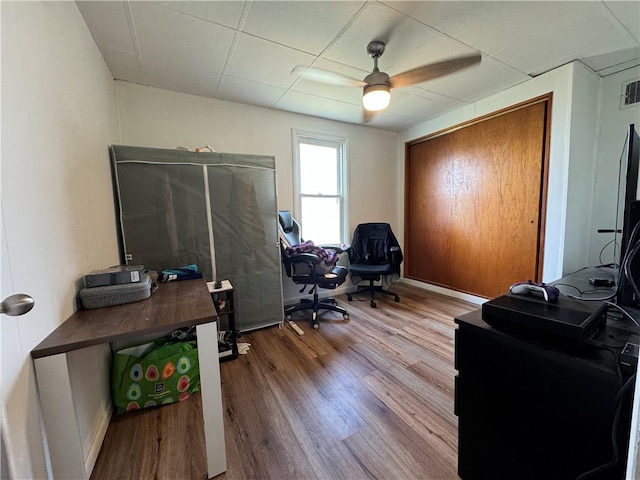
328	140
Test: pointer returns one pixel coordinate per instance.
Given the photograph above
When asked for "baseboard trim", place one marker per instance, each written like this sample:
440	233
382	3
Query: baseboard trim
444	291
96	444
344	289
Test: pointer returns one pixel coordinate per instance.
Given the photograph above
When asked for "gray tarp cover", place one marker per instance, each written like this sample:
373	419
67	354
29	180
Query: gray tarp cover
172	203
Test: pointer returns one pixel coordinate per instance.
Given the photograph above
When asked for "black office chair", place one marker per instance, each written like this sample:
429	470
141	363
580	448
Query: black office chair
305	269
374	255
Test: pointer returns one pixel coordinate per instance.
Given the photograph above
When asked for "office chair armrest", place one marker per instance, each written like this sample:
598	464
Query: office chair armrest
303	258
396	258
335	247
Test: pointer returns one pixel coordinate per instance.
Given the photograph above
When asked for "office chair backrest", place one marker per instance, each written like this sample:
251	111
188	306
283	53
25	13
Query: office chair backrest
289	228
371	244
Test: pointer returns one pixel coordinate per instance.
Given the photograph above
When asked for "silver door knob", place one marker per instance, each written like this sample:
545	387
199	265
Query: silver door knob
17	304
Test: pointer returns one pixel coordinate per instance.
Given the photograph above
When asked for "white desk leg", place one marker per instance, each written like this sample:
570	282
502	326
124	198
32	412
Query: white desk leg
59	415
211	393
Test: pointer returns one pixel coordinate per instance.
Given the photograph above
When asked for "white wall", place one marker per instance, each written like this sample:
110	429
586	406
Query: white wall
58	116
152	117
611	135
561	83
582	164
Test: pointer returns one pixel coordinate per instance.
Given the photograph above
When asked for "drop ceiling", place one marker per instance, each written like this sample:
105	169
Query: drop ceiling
244	51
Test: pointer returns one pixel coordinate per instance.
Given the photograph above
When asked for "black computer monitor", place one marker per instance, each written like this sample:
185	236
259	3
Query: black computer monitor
630	205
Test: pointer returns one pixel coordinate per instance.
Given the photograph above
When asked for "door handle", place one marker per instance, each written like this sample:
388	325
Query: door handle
17	304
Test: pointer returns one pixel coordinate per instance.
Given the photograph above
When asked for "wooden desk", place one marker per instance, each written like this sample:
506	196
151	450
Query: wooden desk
175	305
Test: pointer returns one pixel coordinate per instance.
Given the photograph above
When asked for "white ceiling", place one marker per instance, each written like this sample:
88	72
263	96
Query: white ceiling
243	51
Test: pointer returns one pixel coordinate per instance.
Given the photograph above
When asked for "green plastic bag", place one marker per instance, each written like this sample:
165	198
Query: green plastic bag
149	375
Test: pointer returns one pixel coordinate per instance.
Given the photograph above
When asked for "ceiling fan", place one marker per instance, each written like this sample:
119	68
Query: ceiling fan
376	87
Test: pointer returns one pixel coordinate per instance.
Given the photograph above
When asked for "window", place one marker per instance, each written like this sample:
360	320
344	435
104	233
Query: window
319	176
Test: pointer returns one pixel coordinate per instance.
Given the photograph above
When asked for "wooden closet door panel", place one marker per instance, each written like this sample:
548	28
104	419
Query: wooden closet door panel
473	203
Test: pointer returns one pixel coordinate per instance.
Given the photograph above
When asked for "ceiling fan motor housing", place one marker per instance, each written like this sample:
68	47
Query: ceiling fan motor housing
375	48
376	78
376	93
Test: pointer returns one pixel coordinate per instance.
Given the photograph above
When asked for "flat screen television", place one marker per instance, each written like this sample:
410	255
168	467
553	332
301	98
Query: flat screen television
629	204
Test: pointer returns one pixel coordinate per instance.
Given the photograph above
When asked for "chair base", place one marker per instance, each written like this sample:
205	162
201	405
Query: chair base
371	289
316	304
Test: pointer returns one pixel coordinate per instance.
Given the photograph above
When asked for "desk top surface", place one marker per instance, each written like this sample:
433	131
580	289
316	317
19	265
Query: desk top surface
577	284
613	335
174	305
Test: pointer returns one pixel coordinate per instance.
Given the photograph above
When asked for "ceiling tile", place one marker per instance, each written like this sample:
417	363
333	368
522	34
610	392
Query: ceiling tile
422	104
478	81
122	65
628	14
269	63
251	93
169	76
108	24
390	121
619	61
489	26
615	51
351	95
436	49
165	33
320	107
632	67
221	12
551	46
244	51
310	25
378	22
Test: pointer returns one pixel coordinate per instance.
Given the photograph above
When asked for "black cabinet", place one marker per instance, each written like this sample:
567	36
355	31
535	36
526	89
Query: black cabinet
529	411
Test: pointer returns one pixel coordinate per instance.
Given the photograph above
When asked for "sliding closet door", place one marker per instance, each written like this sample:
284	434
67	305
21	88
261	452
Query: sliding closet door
474	203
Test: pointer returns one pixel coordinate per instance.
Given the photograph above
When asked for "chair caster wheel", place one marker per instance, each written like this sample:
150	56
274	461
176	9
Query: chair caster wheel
345	316
373	304
349	297
397	299
315	325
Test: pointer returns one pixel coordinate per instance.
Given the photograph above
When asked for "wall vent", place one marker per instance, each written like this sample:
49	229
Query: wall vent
630	93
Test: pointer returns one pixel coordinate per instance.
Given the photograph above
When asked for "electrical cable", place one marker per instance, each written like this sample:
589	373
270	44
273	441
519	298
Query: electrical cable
576	271
630	250
627	268
617	401
600	299
617	316
605	246
609	349
624	312
580	292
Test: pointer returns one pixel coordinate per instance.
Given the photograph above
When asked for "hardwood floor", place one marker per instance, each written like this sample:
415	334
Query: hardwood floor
368	397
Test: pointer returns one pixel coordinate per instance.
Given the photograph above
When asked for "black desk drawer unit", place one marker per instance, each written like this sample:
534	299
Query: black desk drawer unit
529	412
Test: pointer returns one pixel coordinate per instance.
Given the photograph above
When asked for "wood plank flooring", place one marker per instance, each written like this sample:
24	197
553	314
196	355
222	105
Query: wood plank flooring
368	397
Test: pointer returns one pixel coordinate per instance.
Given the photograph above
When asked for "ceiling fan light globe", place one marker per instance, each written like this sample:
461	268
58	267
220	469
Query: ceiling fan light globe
376	97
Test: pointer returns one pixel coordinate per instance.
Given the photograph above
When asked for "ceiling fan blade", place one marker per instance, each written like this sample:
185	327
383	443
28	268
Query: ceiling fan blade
368	115
326	76
433	70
